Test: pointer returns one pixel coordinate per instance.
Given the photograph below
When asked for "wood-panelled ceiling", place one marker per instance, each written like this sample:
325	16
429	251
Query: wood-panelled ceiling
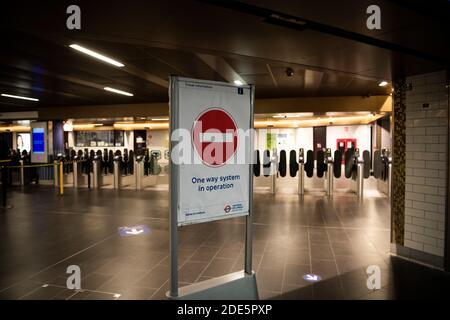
198	39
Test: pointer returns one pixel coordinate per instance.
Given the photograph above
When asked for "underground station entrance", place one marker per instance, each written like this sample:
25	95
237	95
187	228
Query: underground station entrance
336	208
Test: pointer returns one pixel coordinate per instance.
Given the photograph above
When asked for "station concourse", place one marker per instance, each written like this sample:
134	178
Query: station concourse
349	170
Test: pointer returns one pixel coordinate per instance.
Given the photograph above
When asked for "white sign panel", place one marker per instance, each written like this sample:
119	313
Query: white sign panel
214	176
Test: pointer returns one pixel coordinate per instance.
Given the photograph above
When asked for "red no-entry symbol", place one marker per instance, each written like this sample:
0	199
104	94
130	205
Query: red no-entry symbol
214	136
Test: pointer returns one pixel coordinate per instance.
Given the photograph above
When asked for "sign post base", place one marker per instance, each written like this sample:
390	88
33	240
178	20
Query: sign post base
233	286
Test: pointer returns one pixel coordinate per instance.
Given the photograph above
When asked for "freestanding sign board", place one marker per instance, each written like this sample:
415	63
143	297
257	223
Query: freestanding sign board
214	178
211	168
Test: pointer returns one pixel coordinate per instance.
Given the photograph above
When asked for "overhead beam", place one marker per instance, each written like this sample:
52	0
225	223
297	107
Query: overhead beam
298	23
20	86
219	65
146	76
44	72
102	111
262	106
130	69
324	104
313	80
254	59
269	69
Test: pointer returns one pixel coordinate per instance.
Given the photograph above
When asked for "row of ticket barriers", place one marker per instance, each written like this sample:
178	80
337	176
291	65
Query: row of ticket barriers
103	164
91	168
356	165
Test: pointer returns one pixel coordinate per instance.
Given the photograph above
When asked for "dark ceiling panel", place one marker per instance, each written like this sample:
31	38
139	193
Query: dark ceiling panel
245	67
296	81
186	62
157	38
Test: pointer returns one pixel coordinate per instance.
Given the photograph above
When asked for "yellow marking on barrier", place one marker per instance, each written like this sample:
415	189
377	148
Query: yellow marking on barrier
40	165
61	178
30	166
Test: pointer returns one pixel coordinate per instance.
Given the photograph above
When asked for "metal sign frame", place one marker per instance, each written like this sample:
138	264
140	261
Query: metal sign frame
174	190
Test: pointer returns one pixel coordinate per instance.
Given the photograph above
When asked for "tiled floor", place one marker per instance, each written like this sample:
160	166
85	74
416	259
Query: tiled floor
335	238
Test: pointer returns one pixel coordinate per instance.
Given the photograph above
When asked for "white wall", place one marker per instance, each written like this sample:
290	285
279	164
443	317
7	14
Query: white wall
158	140
426	163
386	141
303	137
296	138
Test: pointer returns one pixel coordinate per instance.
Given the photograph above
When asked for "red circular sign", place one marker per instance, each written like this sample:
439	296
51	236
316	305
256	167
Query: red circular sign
214	136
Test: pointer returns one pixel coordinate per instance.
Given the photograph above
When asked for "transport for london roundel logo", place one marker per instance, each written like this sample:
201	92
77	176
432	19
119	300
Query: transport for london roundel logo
214	136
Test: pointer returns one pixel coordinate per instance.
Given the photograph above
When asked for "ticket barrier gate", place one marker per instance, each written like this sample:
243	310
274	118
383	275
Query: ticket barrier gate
270	166
329	174
387	160
76	171
18	177
301	171
274	171
117	173
362	165
359	175
139	172
325	165
382	168
97	176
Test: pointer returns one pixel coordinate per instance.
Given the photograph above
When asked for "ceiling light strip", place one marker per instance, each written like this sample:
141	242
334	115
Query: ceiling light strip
97	55
118	91
18	97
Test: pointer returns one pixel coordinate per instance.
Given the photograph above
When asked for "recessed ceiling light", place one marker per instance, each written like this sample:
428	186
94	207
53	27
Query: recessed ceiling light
160	119
238	82
18	97
97	55
118	91
383	84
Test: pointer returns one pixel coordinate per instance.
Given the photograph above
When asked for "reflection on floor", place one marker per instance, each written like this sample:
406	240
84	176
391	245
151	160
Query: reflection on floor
334	238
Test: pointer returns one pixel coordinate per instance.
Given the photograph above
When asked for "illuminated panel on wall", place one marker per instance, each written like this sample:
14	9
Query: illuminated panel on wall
38	140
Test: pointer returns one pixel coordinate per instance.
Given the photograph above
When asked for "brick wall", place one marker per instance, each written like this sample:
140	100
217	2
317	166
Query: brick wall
426	163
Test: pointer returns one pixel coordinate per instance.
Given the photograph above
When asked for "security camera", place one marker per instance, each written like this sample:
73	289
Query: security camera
289	72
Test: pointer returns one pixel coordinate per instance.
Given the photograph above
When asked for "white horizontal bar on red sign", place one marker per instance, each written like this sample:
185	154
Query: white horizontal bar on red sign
216	137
